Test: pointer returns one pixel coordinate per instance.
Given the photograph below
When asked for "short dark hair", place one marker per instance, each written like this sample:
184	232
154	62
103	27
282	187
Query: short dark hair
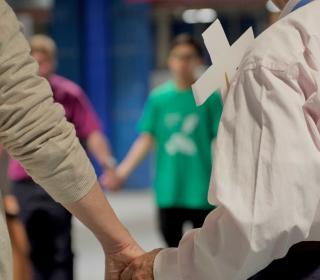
186	39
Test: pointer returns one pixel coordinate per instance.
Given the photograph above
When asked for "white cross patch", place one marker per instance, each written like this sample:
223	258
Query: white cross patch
226	60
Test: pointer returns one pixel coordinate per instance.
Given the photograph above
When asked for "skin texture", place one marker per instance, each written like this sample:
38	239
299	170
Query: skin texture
141	268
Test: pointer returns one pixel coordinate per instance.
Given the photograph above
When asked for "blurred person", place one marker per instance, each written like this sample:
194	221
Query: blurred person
19	240
47	223
266	174
34	131
182	134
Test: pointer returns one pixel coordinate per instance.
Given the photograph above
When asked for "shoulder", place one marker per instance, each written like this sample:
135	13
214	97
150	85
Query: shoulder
214	102
162	92
215	98
66	86
284	43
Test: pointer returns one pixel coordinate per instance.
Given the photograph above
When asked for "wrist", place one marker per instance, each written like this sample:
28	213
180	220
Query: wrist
120	243
109	163
122	173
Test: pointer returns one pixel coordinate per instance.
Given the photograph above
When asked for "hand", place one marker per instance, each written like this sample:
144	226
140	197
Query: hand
118	261
111	181
11	205
141	268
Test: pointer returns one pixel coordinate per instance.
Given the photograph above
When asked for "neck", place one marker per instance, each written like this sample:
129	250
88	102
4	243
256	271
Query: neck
184	84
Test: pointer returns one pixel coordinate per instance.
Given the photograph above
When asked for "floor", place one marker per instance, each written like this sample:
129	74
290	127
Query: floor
137	211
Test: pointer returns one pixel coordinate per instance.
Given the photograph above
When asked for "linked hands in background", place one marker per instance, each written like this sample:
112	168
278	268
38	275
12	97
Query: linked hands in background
111	180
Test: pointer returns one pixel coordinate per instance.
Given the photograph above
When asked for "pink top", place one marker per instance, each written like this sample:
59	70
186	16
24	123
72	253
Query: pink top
78	111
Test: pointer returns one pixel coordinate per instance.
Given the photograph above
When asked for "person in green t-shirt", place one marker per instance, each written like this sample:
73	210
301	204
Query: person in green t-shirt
182	134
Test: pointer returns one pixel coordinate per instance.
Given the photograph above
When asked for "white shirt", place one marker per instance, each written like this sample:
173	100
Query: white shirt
266	174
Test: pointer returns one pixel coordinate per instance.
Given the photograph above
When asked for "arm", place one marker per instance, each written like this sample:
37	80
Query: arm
258	181
137	153
99	147
94	211
88	128
34	131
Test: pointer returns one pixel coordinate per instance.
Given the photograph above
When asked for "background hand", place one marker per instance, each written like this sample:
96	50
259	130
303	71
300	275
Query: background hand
111	181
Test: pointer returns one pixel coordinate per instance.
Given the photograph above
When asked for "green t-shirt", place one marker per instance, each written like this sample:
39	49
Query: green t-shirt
183	134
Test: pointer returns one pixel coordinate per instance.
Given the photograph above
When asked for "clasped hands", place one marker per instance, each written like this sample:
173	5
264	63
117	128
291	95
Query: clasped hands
131	263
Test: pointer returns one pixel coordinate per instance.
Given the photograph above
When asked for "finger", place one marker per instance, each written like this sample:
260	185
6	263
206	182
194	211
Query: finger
138	277
127	274
141	276
112	275
113	269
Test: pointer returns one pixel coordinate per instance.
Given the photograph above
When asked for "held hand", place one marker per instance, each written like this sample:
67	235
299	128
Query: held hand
141	268
118	261
111	181
11	205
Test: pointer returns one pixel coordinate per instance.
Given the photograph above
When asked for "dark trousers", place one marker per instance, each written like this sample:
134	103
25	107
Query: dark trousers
48	227
301	263
171	222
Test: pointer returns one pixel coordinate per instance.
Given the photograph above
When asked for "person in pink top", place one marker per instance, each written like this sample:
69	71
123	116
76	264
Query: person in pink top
47	223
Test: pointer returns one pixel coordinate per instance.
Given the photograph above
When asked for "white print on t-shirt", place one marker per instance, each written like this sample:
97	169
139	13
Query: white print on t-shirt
180	142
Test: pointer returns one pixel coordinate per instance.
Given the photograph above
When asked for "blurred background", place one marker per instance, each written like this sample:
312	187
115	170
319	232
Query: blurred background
117	51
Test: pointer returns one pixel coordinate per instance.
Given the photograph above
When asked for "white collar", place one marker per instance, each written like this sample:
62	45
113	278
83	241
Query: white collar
289	7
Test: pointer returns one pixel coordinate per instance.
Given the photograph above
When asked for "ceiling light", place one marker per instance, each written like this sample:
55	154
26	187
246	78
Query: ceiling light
193	16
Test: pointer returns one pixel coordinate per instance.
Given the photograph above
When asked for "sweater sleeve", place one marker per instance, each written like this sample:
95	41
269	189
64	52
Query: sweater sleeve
33	128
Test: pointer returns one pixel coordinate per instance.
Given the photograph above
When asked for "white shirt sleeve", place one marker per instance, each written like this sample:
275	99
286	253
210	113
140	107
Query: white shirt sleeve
265	181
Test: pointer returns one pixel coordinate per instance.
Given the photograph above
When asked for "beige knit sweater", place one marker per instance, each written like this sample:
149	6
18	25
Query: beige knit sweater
33	128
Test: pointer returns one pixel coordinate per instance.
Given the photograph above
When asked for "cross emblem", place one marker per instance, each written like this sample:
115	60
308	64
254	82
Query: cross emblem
226	60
